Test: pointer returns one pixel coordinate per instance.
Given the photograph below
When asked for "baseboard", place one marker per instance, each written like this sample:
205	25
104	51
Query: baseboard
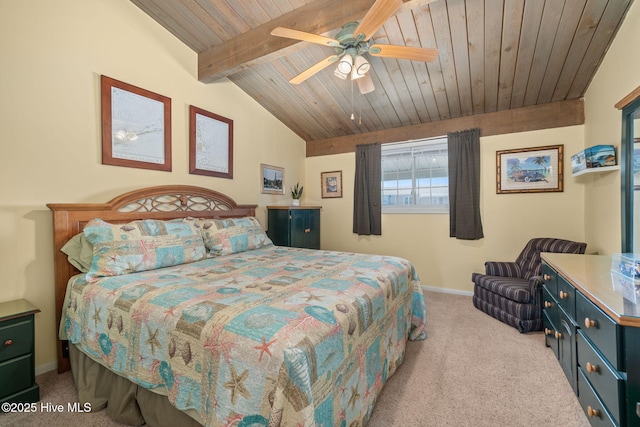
42	369
447	291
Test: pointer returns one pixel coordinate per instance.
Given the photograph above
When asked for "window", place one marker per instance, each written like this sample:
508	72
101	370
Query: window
415	177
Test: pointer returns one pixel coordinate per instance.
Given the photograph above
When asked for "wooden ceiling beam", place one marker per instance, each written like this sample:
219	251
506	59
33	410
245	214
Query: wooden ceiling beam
544	116
258	46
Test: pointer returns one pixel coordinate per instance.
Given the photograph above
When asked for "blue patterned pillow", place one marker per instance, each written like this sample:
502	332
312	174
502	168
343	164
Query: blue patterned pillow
142	245
234	235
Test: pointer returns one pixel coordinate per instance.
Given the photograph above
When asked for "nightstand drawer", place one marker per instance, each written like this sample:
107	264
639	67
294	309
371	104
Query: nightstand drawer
603	332
17	374
606	382
16	337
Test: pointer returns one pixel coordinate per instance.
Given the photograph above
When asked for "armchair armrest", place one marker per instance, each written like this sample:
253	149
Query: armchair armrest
535	287
502	269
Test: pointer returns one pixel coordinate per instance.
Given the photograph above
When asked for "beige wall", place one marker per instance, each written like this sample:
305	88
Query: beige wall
509	220
617	76
52	56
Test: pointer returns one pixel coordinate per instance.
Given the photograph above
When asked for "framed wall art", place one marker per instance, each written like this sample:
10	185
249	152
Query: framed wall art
271	179
530	170
136	126
210	144
331	184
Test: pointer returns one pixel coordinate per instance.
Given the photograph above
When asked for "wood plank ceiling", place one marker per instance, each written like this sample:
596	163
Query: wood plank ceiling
494	55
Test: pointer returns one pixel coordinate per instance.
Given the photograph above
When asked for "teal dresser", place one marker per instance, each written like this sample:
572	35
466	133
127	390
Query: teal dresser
593	327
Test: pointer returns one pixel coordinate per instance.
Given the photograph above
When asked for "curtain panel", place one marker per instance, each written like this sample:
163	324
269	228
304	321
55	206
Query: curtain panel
464	185
367	198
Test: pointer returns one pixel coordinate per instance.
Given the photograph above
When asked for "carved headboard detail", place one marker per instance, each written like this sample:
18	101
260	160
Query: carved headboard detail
161	202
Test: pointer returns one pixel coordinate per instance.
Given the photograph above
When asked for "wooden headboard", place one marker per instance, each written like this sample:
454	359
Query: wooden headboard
162	202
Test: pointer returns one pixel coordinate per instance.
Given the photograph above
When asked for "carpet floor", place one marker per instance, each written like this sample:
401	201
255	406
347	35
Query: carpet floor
472	370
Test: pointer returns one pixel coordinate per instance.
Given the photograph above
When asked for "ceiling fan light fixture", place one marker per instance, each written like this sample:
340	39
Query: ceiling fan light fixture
340	74
360	68
346	64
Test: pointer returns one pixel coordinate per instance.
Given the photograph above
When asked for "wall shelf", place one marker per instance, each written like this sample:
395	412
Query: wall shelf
594	170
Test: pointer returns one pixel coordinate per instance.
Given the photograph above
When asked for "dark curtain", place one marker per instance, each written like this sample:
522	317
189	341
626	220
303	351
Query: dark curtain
367	218
464	185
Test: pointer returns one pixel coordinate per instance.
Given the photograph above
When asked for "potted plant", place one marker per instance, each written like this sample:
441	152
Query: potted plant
296	193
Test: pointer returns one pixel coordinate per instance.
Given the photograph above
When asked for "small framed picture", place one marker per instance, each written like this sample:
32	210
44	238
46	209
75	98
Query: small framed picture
530	170
272	179
331	183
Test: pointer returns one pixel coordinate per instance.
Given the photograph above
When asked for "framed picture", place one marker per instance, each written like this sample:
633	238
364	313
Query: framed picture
272	179
530	170
210	144
331	184
136	126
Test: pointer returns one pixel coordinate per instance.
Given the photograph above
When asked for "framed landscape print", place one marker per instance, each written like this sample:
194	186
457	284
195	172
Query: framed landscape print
210	144
331	184
530	170
271	179
136	126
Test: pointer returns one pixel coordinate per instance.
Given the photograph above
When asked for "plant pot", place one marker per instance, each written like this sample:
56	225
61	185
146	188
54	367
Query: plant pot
296	202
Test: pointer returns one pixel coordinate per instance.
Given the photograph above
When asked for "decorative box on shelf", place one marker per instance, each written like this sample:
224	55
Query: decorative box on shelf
625	275
597	157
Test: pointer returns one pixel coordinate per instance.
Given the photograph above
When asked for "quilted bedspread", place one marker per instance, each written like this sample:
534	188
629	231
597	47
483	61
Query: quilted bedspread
276	336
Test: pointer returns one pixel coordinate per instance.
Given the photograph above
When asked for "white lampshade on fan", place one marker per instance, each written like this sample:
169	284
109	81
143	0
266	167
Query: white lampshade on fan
346	64
360	68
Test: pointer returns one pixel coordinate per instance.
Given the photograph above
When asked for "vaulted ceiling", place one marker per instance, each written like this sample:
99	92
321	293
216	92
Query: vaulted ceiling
494	56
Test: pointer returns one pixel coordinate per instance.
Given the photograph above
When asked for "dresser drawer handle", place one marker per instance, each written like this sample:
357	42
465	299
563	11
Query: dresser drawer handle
8	342
547	277
558	335
548	331
592	412
547	304
563	295
588	323
592	369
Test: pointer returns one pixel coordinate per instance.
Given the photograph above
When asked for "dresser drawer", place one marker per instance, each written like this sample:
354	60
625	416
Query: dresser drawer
17	374
606	381
603	332
16	337
567	297
592	405
550	277
550	306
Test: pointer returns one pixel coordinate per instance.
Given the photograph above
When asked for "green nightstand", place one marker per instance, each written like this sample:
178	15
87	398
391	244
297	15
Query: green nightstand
17	355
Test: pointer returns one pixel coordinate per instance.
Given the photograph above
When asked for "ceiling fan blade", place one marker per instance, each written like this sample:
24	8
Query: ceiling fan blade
307	37
376	17
313	69
404	52
365	84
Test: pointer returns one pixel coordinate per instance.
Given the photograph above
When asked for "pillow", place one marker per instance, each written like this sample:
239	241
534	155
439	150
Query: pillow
98	231
234	235
117	257
79	252
142	245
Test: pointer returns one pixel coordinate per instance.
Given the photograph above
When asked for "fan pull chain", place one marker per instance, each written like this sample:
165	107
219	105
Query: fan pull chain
352	116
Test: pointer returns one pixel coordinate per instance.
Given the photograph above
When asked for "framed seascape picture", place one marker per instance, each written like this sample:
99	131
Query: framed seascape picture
136	126
210	144
331	183
530	170
271	179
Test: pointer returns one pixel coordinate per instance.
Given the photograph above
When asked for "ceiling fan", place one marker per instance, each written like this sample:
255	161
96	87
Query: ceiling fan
353	41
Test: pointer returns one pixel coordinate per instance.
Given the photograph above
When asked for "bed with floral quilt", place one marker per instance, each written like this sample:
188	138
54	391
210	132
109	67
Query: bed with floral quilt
201	309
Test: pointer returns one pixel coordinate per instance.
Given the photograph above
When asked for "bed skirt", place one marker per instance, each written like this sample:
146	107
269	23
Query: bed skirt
124	401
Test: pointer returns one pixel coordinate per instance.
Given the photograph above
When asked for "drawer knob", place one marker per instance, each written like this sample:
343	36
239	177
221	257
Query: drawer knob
589	323
547	277
558	335
8	342
592	369
592	412
548	331
547	304
563	295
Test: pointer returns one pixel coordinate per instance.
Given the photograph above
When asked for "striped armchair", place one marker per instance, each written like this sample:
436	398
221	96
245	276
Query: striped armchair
512	291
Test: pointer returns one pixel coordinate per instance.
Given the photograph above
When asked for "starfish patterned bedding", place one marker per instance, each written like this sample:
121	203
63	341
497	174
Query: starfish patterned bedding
271	336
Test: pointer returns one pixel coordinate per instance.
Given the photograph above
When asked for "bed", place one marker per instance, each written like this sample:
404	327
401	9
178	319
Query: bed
185	312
